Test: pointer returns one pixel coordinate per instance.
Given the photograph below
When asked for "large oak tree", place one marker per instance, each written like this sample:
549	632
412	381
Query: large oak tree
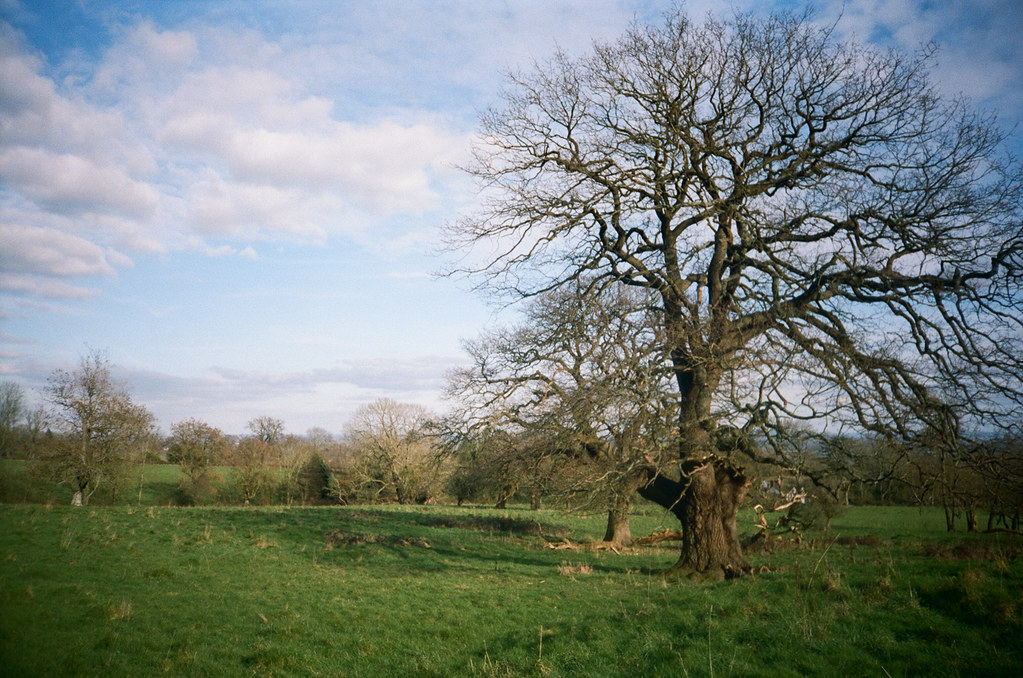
829	239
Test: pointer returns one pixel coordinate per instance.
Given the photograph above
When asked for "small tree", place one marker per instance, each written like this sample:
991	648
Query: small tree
583	384
250	462
12	408
196	447
101	426
268	429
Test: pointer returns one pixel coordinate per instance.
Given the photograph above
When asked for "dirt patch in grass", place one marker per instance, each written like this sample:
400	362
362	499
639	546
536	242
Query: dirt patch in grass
342	538
868	540
490	524
975	550
476	523
758	544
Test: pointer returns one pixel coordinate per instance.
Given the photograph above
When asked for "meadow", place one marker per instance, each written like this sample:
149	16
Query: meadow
448	591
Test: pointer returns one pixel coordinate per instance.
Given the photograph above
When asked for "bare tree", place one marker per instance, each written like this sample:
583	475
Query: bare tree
397	454
250	463
585	377
196	446
828	239
268	429
101	426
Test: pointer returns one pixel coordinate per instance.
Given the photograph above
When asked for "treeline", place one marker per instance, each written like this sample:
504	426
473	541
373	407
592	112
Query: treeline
93	436
587	443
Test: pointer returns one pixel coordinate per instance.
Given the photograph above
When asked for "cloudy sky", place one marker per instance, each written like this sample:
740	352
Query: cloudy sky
239	201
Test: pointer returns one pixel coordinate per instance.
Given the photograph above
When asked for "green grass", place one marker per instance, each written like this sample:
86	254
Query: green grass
355	591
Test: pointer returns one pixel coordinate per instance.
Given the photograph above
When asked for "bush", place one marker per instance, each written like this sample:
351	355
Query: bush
197	491
815	514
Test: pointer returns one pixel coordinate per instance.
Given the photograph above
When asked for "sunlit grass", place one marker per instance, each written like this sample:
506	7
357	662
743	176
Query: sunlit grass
442	591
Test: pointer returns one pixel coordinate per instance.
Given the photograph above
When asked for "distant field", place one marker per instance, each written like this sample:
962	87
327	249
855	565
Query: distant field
143	485
146	484
443	591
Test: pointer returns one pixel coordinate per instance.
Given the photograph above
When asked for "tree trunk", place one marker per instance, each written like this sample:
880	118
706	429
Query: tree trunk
706	502
971	519
78	499
618	531
620	510
502	499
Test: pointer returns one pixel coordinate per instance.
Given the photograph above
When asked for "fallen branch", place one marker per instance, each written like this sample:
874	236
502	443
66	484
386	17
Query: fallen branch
596	546
565	544
666	535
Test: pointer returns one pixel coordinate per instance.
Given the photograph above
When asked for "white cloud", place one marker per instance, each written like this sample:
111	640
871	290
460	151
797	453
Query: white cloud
46	251
74	184
168	48
36	115
52	289
240	94
173	134
245	211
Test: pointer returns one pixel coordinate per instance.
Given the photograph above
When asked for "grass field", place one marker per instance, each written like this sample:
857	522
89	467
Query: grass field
443	591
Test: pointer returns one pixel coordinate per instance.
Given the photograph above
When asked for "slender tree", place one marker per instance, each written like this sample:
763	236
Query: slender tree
828	238
12	409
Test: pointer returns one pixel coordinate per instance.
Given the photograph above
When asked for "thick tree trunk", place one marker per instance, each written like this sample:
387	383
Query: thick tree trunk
620	510
706	501
618	531
78	498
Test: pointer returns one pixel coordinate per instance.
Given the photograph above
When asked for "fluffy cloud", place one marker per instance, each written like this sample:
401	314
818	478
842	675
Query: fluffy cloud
385	168
72	184
49	252
52	289
173	137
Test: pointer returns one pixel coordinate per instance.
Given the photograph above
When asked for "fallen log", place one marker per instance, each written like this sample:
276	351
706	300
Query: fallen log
654	537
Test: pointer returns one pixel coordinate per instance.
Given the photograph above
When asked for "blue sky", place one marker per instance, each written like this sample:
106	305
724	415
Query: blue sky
240	202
